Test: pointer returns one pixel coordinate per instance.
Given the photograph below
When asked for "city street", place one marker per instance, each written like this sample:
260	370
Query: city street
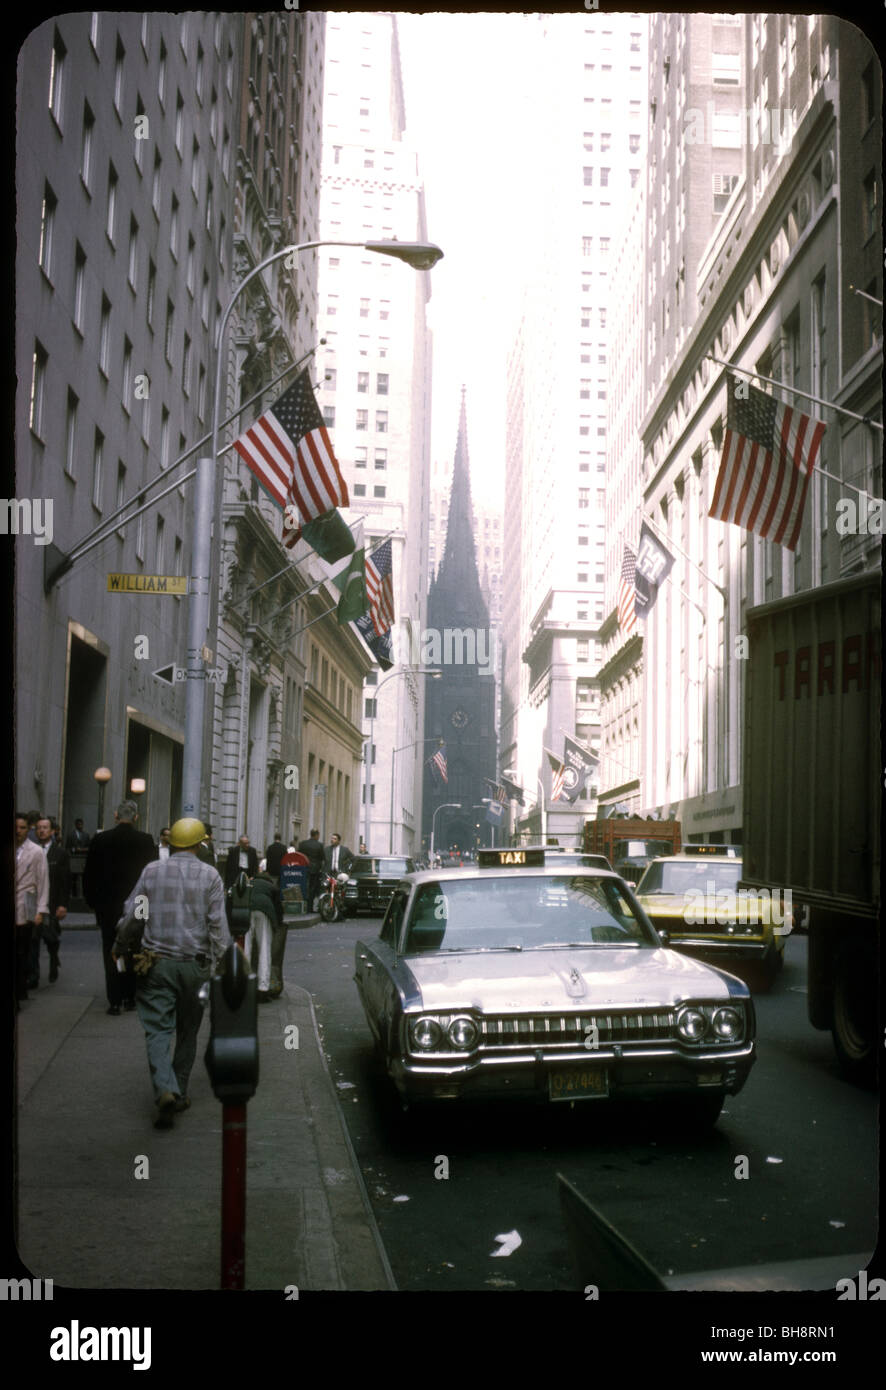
810	1139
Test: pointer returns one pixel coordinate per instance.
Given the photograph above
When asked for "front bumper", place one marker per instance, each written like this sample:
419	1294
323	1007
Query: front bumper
639	1072
368	898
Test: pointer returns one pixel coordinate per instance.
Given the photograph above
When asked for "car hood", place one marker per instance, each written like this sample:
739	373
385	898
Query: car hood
567	978
711	909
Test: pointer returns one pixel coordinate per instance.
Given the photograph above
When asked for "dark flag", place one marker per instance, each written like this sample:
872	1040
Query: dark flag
654	562
579	762
513	791
381	646
558	774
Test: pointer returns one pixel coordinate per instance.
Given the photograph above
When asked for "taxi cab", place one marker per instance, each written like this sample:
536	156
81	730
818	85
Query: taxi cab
521	977
694	898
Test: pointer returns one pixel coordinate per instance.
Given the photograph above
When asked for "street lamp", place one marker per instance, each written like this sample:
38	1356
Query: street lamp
447	805
417	670
103	776
420	255
435	675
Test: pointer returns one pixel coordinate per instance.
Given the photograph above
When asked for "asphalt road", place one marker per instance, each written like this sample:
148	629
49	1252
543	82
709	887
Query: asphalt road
446	1185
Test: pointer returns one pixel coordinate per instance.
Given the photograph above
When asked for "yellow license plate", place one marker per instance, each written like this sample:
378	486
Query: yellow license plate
578	1083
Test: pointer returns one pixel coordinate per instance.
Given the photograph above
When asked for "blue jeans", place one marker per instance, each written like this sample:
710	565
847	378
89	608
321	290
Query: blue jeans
167	1004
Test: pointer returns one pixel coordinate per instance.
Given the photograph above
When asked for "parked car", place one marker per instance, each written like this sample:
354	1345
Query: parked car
518	979
372	879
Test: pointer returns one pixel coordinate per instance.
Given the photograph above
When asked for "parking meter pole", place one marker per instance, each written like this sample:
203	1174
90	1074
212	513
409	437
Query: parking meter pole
232	1063
233	1235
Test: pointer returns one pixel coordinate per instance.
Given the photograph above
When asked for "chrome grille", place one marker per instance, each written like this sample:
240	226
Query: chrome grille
567	1030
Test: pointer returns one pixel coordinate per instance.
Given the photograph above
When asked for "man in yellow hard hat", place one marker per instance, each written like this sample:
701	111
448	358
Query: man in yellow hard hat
179	902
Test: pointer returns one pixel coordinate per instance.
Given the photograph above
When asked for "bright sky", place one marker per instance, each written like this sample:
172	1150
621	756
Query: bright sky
466	104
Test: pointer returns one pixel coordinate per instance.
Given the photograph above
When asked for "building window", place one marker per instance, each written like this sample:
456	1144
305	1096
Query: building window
195	168
159	546
111	222
47	224
360	454
164	437
57	79
362	419
156	184
364	308
587	245
360	489
634	144
104	338
132	271
584	494
384	311
381	421
381	458
362	381
79	297
38	389
168	331
329	415
379	491
98	450
201	391
604	178
582	649
71	434
173	228
588	176
726	69
179	123
86	147
186	366
126	394
204	300
161	75
381	385
119	61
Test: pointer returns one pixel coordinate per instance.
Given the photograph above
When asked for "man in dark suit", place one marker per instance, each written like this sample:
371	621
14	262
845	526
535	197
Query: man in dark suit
59	867
242	858
313	852
273	855
78	838
338	856
113	865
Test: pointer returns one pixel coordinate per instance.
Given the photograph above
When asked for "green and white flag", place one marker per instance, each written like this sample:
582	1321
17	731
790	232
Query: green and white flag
352	582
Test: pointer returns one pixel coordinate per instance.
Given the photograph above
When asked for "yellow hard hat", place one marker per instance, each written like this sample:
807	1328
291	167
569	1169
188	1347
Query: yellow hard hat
187	832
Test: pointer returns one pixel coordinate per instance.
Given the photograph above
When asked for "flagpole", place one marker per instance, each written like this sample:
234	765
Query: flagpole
795	391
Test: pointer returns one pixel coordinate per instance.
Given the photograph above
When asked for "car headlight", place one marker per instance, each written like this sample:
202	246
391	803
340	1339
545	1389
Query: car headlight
463	1033
425	1034
691	1025
728	1024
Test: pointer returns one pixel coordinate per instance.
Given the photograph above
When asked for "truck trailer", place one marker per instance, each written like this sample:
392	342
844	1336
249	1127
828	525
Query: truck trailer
812	787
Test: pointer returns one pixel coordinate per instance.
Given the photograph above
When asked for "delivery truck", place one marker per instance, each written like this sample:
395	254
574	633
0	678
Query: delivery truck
812	786
630	843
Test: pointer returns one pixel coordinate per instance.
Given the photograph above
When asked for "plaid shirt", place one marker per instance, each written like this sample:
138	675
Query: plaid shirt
185	907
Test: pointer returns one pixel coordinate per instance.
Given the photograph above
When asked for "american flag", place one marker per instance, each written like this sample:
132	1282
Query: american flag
438	761
496	792
558	772
627	614
290	452
768	456
380	587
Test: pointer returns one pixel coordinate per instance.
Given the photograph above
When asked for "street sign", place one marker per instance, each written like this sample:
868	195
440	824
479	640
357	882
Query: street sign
147	583
173	675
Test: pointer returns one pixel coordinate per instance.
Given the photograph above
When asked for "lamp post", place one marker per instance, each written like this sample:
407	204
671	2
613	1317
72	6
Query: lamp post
419	670
421	256
435	675
102	776
447	805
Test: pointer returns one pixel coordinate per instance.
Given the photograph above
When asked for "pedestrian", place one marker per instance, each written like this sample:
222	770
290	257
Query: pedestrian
31	900
113	863
32	818
338	856
363	849
274	854
313	852
78	838
58	866
206	850
163	850
185	935
265	920
242	858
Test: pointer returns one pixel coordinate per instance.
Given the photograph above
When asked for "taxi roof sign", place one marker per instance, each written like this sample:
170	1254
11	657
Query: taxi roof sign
731	851
510	858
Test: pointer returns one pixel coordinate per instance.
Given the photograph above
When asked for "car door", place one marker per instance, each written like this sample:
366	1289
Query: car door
375	966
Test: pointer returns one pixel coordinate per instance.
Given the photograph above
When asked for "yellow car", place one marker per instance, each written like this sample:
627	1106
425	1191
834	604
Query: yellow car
694	897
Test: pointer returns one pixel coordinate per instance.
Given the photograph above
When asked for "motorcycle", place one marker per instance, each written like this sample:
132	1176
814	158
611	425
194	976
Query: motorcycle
332	899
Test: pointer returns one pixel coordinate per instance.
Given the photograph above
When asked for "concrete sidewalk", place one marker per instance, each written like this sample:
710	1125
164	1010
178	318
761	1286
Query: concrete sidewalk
105	1201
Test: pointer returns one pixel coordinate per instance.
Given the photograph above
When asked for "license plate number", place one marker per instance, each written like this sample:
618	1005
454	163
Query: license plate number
579	1083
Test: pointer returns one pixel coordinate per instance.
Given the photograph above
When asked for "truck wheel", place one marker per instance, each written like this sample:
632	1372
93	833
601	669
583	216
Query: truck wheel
854	1022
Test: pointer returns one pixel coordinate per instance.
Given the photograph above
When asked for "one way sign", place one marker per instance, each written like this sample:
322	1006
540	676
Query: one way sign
172	675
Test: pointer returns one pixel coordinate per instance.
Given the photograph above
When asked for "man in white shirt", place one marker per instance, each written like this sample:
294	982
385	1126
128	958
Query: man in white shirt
163	844
31	900
338	856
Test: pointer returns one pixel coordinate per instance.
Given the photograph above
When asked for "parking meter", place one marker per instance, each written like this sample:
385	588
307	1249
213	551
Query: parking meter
232	1051
238	899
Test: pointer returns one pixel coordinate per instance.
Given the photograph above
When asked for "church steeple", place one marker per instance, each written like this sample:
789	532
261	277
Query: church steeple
456	597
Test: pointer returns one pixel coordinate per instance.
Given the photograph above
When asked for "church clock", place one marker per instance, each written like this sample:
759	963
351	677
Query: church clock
459	719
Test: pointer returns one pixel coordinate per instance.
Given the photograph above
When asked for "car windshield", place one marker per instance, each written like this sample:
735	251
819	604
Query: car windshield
674	877
523	913
385	867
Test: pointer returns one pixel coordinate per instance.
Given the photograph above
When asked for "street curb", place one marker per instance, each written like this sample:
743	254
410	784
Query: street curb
355	1165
